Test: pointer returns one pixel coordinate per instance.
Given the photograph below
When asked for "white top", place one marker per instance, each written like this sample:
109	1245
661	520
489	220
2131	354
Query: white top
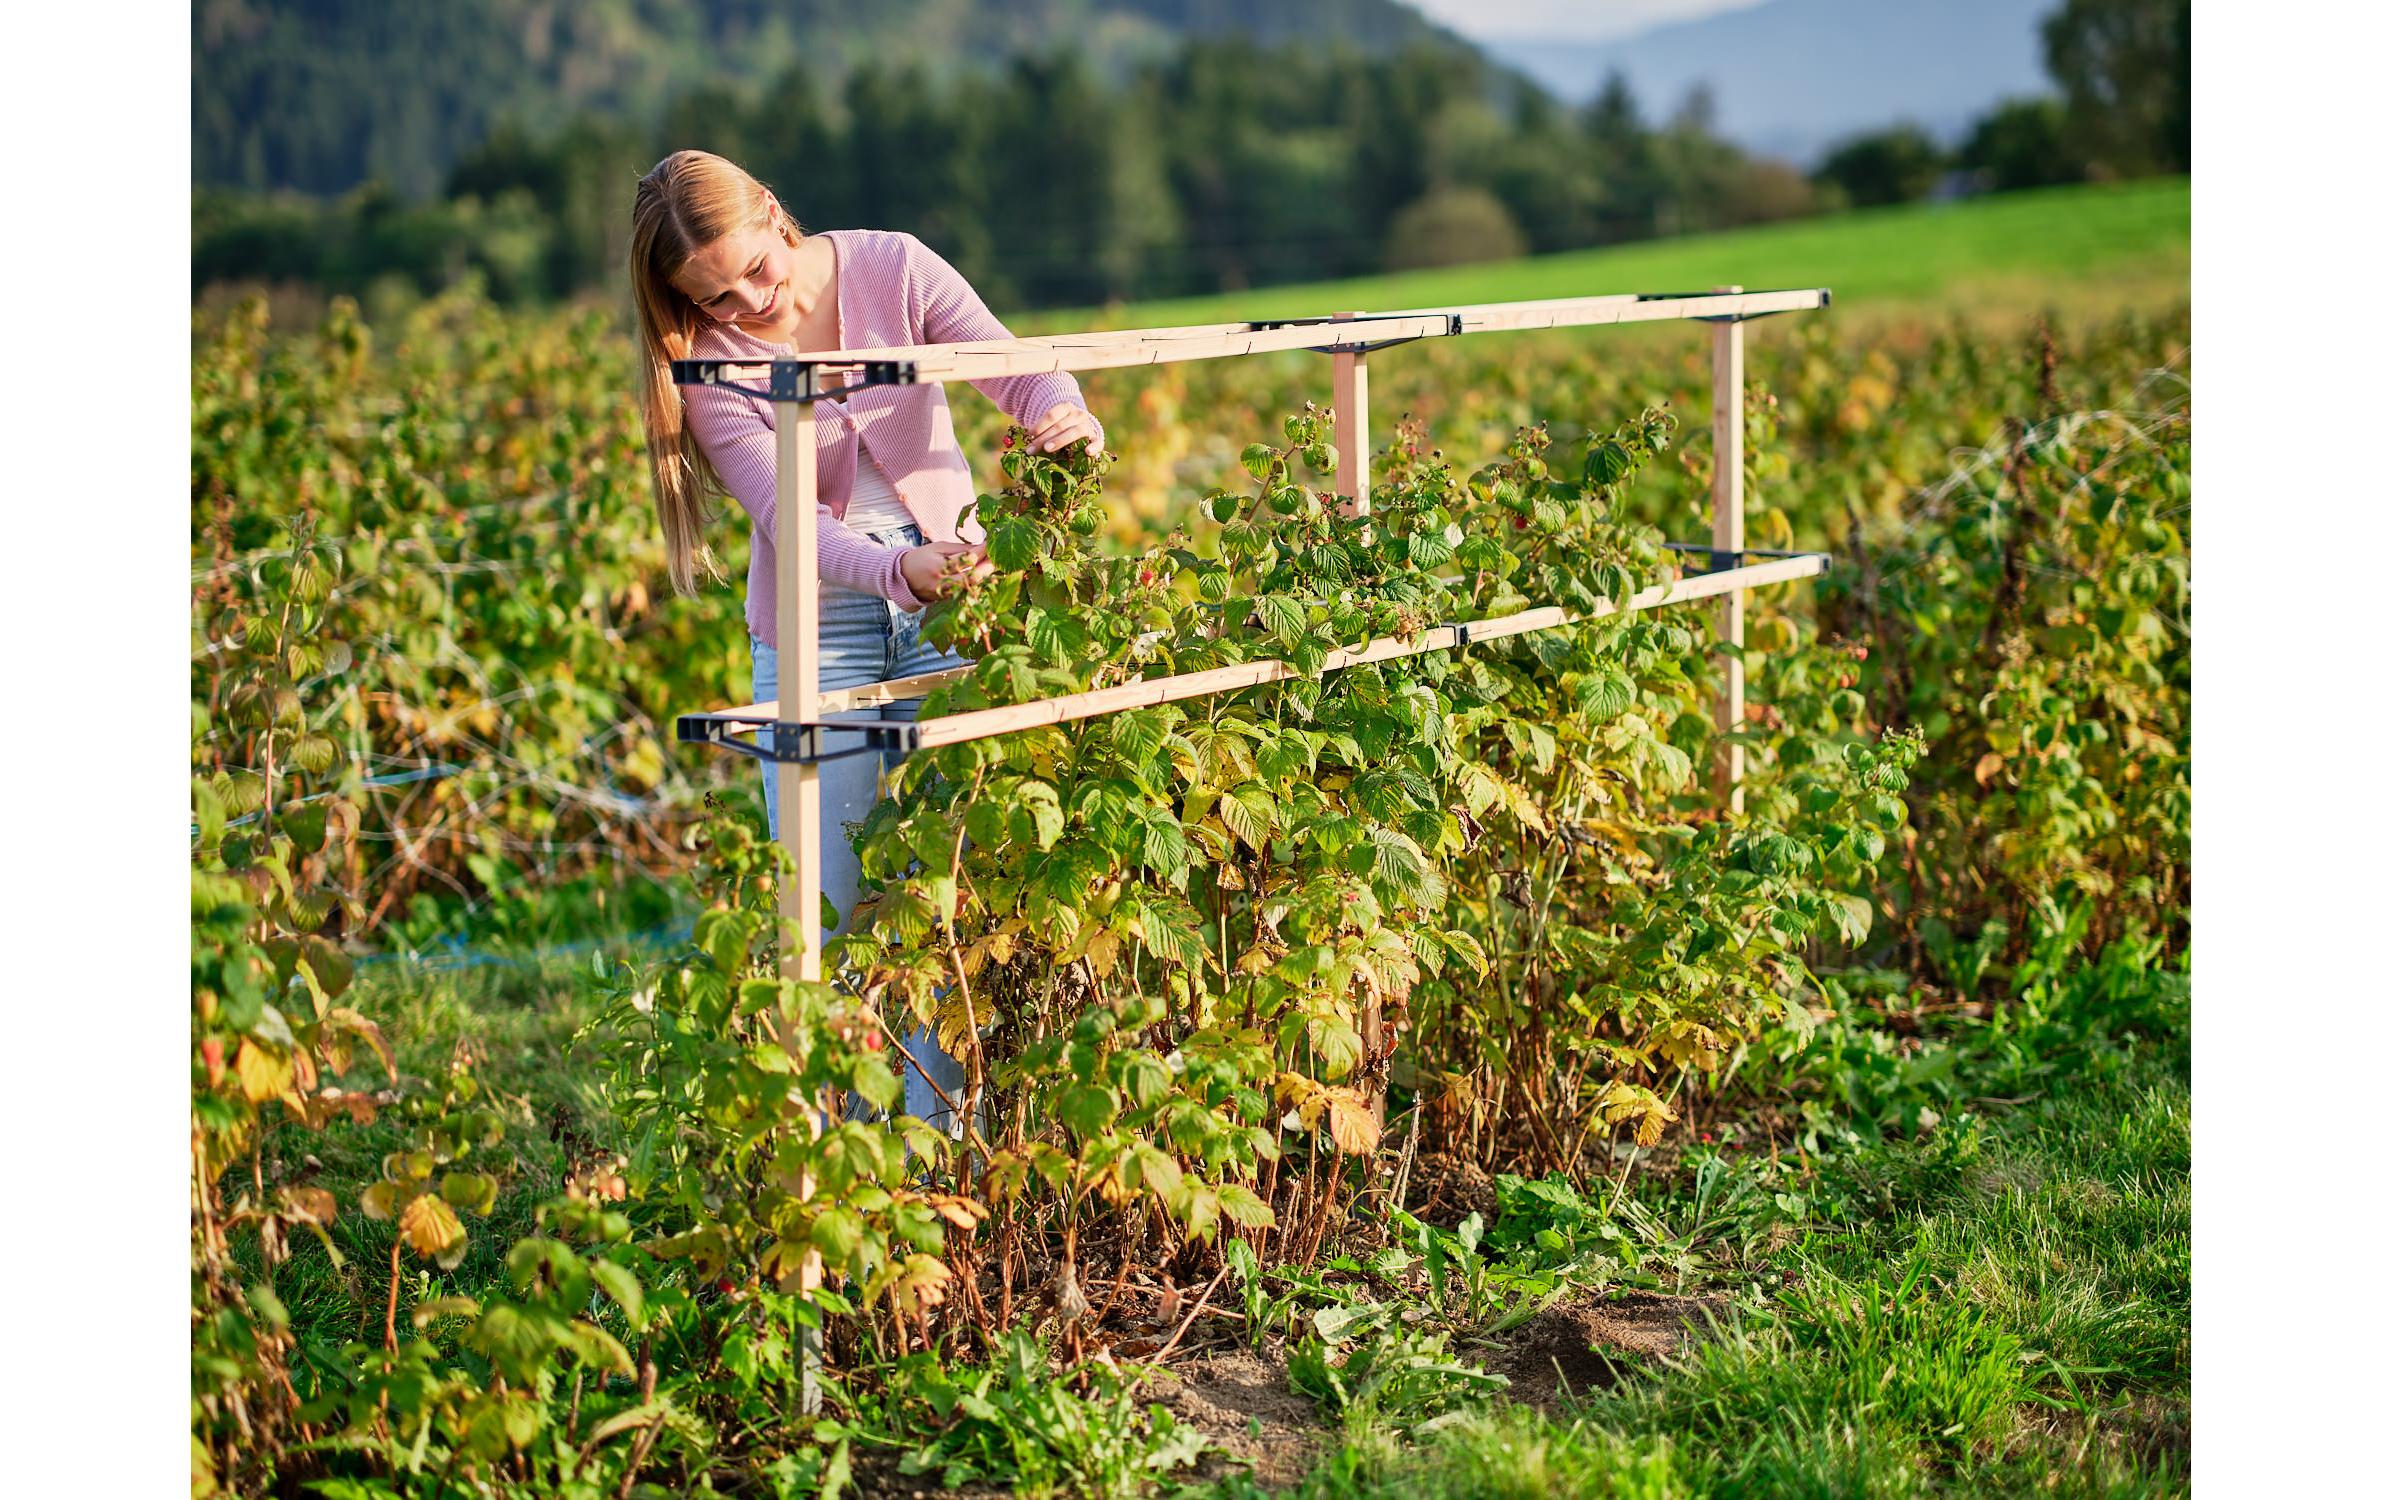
874	506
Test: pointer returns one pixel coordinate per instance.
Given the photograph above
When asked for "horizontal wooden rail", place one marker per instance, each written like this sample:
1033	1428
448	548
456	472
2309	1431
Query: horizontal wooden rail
977	724
1584	312
990	359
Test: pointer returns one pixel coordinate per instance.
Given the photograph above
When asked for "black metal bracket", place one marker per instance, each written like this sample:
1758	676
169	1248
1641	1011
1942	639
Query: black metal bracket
1456	325
792	743
1719	561
795	379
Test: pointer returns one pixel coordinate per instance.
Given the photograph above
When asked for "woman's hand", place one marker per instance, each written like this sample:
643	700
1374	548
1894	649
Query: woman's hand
938	567
1062	425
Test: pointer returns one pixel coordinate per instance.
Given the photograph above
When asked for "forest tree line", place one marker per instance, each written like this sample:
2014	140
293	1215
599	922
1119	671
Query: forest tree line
1225	166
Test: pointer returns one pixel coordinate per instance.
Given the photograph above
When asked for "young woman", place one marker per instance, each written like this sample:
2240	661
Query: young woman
721	271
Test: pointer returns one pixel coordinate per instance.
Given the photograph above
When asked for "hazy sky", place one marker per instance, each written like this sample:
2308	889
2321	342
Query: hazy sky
1567	20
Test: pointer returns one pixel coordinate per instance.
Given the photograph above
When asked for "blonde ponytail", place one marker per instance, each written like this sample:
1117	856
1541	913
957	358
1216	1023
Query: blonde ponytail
686	202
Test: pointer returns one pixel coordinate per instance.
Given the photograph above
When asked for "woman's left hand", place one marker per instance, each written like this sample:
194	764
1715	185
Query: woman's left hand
1060	426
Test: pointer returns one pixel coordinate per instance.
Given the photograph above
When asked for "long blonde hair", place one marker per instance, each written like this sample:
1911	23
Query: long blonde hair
689	200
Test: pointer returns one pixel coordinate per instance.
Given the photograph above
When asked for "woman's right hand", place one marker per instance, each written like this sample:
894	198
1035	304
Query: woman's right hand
935	569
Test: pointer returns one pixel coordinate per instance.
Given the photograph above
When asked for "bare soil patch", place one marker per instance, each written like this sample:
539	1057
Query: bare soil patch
1446	1188
1586	1341
1580	1343
1220	1393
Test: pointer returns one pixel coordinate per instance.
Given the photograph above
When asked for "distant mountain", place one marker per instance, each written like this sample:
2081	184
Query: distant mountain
1791	76
320	95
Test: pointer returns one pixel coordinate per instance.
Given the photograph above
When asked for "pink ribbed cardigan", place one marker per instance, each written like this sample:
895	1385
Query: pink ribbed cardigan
891	290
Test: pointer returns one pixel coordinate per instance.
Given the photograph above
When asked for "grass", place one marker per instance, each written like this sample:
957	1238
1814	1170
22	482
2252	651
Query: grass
516	1022
2085	251
2002	1304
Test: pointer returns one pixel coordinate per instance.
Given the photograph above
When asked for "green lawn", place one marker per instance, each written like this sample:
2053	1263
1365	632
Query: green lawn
2082	249
2000	1305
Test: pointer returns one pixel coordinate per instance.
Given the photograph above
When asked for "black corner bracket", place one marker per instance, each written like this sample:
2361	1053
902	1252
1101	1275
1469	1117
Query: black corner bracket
791	743
794	380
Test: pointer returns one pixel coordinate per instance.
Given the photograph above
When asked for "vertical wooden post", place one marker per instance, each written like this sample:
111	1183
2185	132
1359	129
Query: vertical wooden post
797	545
1351	437
1729	536
1352	449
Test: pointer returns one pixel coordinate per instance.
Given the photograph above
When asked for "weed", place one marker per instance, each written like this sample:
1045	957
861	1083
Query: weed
1018	1422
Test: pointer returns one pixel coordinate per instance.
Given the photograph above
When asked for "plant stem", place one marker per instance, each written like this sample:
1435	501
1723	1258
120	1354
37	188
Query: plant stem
396	1248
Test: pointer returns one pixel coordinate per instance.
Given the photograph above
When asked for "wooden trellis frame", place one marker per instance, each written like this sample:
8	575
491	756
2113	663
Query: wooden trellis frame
796	719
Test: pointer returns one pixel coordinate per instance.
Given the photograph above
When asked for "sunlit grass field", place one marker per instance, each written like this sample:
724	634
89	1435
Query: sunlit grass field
2081	251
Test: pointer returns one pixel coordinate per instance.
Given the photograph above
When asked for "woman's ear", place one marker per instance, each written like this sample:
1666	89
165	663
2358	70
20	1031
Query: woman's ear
782	223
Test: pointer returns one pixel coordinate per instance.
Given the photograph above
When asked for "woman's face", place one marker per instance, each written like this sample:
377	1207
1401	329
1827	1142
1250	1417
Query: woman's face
742	279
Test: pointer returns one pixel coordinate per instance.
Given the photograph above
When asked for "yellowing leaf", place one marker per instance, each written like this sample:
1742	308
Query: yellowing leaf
346	1018
310	1205
1354	1128
961	1213
432	1229
915	1282
264	1073
1100	949
1526	811
361	1108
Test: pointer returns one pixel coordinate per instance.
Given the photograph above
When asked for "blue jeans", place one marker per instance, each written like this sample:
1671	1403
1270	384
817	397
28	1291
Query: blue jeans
865	639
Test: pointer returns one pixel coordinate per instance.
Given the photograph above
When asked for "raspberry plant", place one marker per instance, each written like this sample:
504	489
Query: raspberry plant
1157	940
